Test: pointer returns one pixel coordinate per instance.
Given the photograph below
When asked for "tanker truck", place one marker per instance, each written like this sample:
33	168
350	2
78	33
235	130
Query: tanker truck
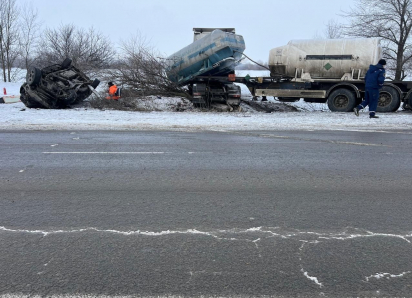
327	71
207	66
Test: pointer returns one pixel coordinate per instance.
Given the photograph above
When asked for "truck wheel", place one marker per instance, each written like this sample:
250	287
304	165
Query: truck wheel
389	100
66	63
33	76
341	100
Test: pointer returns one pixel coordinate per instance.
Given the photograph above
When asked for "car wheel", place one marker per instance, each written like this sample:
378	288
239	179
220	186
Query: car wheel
341	100
33	76
95	83
28	101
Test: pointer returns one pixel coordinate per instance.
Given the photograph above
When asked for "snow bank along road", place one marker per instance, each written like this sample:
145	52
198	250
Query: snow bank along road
12	117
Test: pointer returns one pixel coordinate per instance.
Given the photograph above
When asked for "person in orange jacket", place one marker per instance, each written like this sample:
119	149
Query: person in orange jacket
112	91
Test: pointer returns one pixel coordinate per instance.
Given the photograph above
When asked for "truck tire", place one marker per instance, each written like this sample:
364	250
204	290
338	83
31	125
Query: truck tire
389	100
66	63
341	100
33	76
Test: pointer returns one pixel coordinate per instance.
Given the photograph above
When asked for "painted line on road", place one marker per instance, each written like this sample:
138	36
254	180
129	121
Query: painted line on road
369	130
322	141
304	139
359	144
108	152
105	152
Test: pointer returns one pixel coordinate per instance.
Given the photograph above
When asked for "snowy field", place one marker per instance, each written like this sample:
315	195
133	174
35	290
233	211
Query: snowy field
15	116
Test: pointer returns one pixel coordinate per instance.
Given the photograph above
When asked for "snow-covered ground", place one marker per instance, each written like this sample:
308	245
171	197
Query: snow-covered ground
17	116
11	88
311	117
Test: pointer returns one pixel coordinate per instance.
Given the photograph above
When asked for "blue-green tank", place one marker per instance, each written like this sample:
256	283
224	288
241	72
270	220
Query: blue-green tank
215	54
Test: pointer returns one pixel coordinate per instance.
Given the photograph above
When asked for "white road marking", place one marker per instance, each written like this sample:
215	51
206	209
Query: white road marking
359	144
93	296
371	130
323	141
85	152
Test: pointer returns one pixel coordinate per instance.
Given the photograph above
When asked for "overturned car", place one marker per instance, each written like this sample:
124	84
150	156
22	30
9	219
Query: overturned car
56	87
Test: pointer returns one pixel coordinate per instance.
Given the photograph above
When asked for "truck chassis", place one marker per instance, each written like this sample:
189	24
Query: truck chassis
340	95
206	90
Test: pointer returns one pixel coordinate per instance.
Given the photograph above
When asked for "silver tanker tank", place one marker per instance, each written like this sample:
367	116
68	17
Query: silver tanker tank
214	52
325	59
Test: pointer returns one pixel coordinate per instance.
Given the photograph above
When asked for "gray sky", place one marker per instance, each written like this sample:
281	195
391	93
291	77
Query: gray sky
168	24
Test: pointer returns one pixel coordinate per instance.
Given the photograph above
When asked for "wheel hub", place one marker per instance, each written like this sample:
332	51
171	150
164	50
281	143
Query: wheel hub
30	76
385	99
341	101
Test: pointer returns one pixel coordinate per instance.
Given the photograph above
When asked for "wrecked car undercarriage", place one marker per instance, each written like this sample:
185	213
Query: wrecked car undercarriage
56	87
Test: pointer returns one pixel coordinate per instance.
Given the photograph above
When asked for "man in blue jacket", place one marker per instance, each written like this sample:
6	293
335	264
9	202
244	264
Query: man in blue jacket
374	79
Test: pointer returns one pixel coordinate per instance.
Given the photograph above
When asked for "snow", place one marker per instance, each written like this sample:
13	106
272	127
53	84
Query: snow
11	88
15	116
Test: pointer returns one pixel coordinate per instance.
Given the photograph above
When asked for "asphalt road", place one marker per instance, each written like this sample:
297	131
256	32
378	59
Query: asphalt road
230	214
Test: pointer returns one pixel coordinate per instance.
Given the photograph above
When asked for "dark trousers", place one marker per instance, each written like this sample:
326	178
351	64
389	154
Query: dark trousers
371	100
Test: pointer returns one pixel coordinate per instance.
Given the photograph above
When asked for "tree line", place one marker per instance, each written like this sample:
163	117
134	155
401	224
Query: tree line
24	43
389	20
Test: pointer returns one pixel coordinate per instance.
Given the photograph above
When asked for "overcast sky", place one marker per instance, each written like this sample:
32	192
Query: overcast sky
168	24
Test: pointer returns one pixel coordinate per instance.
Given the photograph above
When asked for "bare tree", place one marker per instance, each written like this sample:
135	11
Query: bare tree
88	49
29	35
93	49
9	36
143	69
56	45
333	30
317	35
390	20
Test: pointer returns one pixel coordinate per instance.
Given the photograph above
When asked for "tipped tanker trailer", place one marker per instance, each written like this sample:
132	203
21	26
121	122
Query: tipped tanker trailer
205	64
329	71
